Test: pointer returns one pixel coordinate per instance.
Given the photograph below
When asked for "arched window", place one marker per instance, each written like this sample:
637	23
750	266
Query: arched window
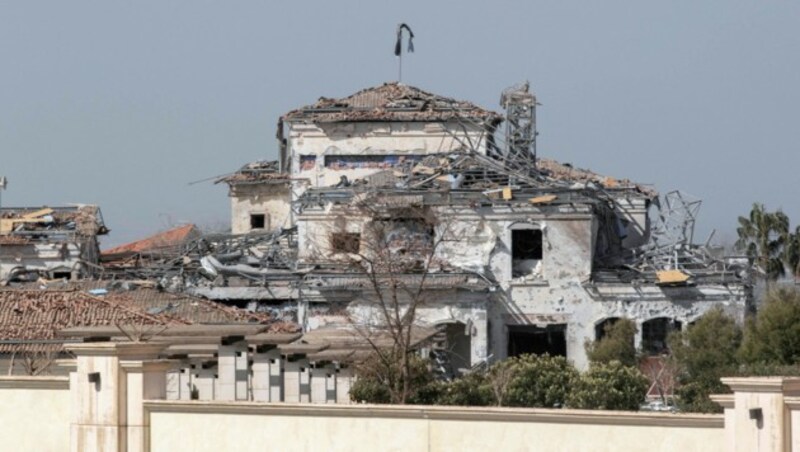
655	333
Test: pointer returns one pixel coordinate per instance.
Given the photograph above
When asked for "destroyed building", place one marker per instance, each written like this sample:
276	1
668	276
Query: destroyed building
50	243
531	255
541	255
260	197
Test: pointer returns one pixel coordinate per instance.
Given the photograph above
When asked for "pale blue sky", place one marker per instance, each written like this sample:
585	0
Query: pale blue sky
124	103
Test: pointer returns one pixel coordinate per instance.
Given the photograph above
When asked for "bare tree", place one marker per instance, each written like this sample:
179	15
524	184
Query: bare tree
661	371
32	363
395	253
499	377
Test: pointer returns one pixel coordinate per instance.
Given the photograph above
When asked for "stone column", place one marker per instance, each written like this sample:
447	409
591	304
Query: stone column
108	386
757	417
232	371
267	379
344	379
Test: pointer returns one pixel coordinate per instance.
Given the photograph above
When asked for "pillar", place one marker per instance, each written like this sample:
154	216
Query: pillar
267	381
109	385
757	414
233	372
344	379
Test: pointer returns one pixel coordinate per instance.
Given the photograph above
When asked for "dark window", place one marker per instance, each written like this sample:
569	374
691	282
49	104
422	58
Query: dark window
655	333
601	328
530	339
62	275
346	242
526	244
258	221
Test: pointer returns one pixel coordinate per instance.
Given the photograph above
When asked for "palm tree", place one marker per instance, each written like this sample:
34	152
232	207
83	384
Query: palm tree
763	237
791	253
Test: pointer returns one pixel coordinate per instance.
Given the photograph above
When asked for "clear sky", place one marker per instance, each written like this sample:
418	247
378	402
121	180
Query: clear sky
123	104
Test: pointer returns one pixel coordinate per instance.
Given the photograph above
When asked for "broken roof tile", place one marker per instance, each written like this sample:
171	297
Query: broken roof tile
391	101
261	171
170	238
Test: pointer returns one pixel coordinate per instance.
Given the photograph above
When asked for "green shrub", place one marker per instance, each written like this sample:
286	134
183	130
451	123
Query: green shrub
470	390
539	381
702	354
609	386
379	381
369	390
693	395
774	336
616	345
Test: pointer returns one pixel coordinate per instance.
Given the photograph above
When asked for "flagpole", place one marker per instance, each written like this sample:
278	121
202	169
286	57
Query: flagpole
398	48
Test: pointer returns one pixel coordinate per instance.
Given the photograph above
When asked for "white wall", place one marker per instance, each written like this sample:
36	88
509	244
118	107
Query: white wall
362	138
272	200
34	414
256	427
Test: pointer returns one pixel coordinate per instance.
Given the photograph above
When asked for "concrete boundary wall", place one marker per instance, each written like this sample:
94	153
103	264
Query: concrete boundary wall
115	401
34	414
212	426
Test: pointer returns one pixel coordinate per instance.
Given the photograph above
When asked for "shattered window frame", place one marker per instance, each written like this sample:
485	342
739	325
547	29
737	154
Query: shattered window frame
344	162
345	242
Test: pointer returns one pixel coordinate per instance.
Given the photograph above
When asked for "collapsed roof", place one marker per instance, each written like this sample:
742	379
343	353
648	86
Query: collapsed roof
162	241
259	172
21	225
466	171
391	101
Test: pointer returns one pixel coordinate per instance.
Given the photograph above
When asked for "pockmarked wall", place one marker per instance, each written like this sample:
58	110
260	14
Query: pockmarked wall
214	426
34	414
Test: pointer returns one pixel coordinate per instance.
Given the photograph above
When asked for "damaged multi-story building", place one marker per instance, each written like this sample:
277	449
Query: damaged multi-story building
531	256
49	243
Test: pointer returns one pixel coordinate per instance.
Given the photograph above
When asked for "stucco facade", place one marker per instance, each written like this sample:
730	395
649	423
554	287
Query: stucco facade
551	247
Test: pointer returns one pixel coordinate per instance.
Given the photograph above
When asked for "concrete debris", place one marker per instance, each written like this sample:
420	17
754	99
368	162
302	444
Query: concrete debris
390	102
57	242
262	171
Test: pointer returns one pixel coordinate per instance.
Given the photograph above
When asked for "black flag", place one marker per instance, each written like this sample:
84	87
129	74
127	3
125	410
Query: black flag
397	46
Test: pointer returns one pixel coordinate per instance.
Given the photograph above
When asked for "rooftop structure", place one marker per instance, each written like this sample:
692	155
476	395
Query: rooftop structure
392	101
57	242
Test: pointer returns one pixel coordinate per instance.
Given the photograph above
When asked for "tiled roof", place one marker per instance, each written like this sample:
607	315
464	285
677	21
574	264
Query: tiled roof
391	102
30	318
185	307
171	238
37	315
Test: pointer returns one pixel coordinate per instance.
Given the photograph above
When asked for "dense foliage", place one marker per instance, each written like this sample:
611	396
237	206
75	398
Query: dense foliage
616	345
540	381
773	337
609	386
704	353
379	379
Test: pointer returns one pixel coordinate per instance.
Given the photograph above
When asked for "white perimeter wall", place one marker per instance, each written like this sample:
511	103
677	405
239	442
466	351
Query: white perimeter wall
215	426
34	414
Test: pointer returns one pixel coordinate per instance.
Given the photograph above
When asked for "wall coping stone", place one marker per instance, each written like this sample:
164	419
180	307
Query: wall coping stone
27	382
763	384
